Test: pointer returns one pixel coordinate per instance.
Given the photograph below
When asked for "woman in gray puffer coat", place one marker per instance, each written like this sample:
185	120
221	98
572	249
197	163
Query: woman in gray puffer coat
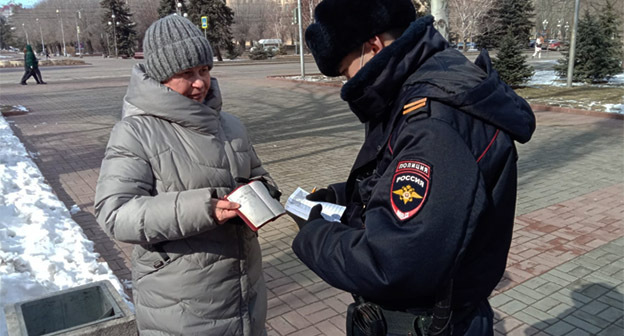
196	267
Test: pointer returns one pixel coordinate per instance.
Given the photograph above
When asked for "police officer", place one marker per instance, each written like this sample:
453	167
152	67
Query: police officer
431	196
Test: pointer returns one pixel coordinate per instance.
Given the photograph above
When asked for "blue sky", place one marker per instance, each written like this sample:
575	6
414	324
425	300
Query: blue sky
25	3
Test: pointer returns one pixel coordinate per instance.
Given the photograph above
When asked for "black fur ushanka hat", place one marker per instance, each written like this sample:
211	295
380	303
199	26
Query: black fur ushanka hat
341	26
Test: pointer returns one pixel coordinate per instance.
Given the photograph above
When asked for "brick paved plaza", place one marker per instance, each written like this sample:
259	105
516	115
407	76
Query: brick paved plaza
565	270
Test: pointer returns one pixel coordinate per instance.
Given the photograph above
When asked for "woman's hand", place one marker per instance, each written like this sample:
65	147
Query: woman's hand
224	210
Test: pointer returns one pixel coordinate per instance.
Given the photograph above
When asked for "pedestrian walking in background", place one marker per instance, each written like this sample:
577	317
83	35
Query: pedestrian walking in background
538	47
196	267
31	66
430	199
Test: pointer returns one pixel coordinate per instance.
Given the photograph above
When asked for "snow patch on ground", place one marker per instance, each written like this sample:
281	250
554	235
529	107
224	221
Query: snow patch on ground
20	108
316	78
216	60
614	108
546	77
42	250
550	77
617	79
74	209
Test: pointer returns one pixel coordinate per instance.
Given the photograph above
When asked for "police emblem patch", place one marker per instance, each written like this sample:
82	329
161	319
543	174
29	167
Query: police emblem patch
410	186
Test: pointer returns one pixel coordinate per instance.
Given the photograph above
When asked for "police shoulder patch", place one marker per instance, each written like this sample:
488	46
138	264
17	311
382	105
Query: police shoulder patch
415	105
410	186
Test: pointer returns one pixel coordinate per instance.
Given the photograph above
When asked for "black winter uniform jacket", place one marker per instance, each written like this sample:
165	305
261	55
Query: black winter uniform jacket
432	192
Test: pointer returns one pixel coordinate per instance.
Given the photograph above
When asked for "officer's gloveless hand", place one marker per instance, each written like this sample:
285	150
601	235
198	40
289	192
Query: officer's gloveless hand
274	192
322	195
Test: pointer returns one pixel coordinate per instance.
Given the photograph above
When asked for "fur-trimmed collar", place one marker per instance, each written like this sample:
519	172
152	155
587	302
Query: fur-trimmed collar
422	62
375	86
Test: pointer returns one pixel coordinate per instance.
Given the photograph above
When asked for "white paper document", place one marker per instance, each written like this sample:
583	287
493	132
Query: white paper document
298	205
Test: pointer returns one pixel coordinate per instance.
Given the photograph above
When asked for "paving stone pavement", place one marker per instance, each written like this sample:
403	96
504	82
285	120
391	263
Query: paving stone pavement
565	267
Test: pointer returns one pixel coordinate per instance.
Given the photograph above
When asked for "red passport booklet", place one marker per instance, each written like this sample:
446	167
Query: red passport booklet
257	207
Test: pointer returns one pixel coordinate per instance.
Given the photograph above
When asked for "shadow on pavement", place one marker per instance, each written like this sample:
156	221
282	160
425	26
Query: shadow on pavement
315	113
566	144
597	310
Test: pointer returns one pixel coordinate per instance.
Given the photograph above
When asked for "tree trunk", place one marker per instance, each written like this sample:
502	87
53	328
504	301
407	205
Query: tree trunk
218	53
439	10
89	46
463	40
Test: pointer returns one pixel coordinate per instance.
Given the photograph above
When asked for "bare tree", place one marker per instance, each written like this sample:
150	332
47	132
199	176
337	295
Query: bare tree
466	17
45	19
145	12
283	23
255	20
553	18
278	19
242	23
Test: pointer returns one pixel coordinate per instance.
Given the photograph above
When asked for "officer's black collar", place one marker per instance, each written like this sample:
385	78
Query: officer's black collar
376	85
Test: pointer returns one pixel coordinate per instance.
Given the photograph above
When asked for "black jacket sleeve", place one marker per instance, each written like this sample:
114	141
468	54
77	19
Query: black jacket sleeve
393	259
339	191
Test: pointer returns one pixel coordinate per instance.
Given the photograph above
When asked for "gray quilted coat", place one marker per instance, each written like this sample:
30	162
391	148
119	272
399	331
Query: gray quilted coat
165	160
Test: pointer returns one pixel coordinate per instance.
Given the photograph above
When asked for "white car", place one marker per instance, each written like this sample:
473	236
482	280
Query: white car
267	45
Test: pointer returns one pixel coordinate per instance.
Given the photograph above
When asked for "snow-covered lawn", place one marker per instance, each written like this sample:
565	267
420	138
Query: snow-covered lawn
543	78
42	250
549	77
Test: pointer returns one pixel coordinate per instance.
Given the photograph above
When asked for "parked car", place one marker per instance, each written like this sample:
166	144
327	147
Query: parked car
470	45
271	45
554	45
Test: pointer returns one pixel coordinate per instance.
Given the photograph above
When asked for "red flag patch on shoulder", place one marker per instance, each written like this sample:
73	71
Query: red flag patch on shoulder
410	186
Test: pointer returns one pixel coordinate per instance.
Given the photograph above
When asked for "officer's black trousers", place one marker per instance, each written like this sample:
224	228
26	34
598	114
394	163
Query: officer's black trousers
481	323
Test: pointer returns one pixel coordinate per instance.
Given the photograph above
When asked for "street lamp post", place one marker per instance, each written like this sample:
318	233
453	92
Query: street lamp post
544	25
41	32
300	39
114	23
26	33
559	29
179	8
58	13
572	53
78	31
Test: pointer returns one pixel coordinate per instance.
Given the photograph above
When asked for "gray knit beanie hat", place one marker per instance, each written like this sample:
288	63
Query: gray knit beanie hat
173	44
